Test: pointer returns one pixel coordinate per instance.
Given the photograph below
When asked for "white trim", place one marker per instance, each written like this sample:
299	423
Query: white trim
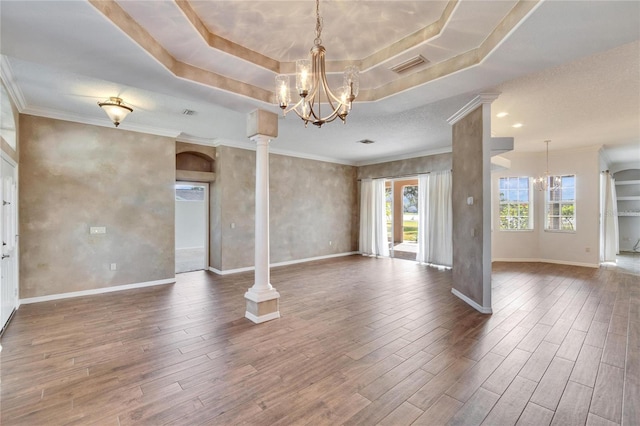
262	318
96	291
6	73
473	304
231	271
132	127
5	156
195	140
567	262
252	147
482	98
417	154
554	261
285	263
262	296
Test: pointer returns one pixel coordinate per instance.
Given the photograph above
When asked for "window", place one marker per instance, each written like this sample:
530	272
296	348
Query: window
515	202
560	205
186	192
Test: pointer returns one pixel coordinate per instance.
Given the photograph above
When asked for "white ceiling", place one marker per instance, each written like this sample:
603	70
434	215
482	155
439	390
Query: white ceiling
569	71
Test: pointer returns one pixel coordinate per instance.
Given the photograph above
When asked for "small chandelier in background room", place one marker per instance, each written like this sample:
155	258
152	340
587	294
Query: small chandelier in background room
546	181
115	109
311	82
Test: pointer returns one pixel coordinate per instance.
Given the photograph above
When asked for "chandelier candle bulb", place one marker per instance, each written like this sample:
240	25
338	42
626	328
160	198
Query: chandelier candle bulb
282	91
303	67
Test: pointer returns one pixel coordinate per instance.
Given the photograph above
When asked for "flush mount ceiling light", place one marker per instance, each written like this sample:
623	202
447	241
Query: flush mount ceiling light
115	109
546	181
502	114
517	125
313	89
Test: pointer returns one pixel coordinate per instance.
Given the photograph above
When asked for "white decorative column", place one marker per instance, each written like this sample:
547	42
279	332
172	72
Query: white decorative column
262	299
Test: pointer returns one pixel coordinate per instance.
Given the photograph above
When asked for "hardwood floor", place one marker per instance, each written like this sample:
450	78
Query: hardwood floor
361	341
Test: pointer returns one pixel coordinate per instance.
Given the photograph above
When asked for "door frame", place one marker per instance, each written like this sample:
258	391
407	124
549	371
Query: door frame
15	258
207	219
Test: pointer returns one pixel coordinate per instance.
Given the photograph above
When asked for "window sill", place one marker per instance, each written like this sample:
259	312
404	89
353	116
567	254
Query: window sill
516	230
559	231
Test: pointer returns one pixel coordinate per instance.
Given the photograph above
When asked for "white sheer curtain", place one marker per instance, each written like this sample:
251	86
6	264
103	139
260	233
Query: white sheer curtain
373	223
609	220
423	218
435	219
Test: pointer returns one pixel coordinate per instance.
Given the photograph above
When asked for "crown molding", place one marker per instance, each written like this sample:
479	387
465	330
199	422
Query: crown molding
605	157
132	127
195	140
400	157
482	98
252	147
6	73
465	60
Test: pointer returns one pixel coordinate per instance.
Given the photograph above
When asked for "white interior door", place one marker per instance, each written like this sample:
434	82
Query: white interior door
8	231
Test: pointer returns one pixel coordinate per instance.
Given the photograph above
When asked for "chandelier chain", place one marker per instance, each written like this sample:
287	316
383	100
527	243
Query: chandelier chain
318	40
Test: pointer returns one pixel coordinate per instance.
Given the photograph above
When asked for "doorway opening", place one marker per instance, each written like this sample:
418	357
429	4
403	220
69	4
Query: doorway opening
191	227
402	217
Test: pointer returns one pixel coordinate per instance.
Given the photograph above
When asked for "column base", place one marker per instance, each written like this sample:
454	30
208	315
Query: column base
263	306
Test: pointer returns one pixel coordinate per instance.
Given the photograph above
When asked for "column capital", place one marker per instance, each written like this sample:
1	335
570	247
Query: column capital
260	139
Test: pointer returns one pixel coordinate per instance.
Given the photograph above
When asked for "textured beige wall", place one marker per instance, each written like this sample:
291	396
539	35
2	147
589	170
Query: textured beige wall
468	220
74	176
409	167
311	203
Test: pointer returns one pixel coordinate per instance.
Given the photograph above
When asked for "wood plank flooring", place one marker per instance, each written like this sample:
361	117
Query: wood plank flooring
361	341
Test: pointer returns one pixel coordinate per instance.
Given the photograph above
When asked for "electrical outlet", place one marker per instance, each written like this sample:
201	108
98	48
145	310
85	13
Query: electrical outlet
330	242
113	267
587	249
97	230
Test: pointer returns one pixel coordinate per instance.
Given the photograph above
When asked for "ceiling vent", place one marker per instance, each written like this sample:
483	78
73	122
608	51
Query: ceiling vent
366	141
409	64
188	112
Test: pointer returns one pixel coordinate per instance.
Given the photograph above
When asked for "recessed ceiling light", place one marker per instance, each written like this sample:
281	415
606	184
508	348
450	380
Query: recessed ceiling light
517	125
502	114
366	141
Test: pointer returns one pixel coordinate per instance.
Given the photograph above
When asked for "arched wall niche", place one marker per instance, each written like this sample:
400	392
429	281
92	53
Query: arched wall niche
194	163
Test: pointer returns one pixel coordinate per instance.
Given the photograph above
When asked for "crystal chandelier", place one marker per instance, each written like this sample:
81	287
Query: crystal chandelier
546	181
312	86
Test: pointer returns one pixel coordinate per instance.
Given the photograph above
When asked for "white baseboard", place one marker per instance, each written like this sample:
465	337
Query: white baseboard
95	291
554	261
515	259
565	262
285	263
472	303
231	271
